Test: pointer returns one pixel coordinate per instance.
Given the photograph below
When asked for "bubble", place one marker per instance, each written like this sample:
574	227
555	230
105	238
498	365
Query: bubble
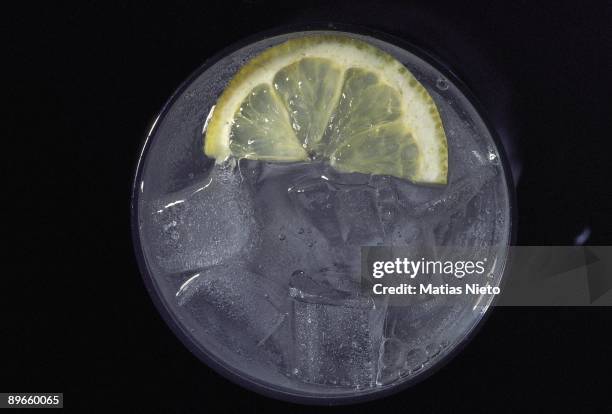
442	84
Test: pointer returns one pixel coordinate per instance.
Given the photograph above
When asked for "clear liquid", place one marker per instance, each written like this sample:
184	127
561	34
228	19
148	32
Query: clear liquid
261	262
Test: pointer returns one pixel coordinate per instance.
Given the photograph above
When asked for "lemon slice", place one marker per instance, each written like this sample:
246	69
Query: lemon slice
333	98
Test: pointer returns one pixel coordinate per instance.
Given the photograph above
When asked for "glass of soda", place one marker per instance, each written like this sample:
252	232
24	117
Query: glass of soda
255	266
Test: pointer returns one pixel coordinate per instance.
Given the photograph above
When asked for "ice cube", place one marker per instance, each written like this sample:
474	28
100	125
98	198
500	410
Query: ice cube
392	360
399	227
289	241
337	335
423	322
456	197
414	333
340	212
202	224
315	199
358	217
247	310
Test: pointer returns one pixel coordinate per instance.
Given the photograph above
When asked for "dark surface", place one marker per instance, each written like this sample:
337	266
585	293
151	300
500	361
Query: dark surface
89	79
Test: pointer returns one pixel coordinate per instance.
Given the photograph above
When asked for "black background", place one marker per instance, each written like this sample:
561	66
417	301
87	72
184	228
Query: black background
88	79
